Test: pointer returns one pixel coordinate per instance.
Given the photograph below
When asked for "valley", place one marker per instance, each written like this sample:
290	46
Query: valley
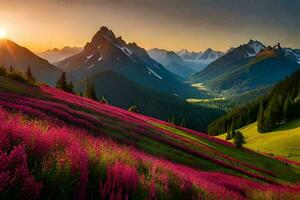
149	100
87	135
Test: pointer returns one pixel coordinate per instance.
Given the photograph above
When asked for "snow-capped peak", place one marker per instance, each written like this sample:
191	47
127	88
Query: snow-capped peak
292	53
183	52
210	55
256	47
189	56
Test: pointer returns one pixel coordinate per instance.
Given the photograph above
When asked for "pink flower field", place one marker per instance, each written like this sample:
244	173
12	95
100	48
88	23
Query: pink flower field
62	146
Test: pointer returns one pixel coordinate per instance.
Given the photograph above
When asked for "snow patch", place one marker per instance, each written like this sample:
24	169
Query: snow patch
250	55
154	73
125	50
292	52
257	47
88	57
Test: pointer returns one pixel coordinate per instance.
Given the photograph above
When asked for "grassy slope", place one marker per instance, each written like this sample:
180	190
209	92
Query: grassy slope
158	138
283	141
123	93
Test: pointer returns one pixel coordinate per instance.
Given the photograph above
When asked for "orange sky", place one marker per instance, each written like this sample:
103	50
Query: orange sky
44	24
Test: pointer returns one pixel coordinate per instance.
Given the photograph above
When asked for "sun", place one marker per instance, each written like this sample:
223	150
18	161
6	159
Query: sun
2	33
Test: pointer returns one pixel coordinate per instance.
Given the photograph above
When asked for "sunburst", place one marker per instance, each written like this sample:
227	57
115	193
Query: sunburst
2	33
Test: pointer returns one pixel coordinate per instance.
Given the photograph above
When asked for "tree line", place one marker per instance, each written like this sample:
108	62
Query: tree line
280	106
194	117
11	73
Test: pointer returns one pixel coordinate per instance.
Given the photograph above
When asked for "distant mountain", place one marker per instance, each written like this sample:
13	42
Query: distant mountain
229	61
206	57
294	54
164	57
11	54
187	55
106	52
55	55
199	60
209	56
172	62
248	67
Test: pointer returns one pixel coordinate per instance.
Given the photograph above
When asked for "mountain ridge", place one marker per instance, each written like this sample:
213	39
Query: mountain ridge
12	54
55	55
107	52
247	67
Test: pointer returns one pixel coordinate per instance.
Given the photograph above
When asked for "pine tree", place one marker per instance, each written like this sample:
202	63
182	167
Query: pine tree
233	133
183	122
228	136
62	83
172	121
239	140
133	109
273	114
268	122
103	100
91	93
3	71
11	69
70	87
260	119
29	75
87	87
288	109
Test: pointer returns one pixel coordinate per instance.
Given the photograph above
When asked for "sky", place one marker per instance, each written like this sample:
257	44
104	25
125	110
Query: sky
169	24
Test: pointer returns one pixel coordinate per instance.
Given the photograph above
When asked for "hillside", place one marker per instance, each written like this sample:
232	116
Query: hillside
283	141
55	55
19	58
72	146
123	93
248	67
279	106
229	61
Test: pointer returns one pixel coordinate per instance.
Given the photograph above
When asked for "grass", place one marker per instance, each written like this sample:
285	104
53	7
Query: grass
282	141
144	135
281	170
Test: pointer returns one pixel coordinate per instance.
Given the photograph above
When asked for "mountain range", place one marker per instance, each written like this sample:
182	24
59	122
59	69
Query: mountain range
184	63
19	58
106	52
205	58
121	72
172	62
247	67
155	80
55	55
126	75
